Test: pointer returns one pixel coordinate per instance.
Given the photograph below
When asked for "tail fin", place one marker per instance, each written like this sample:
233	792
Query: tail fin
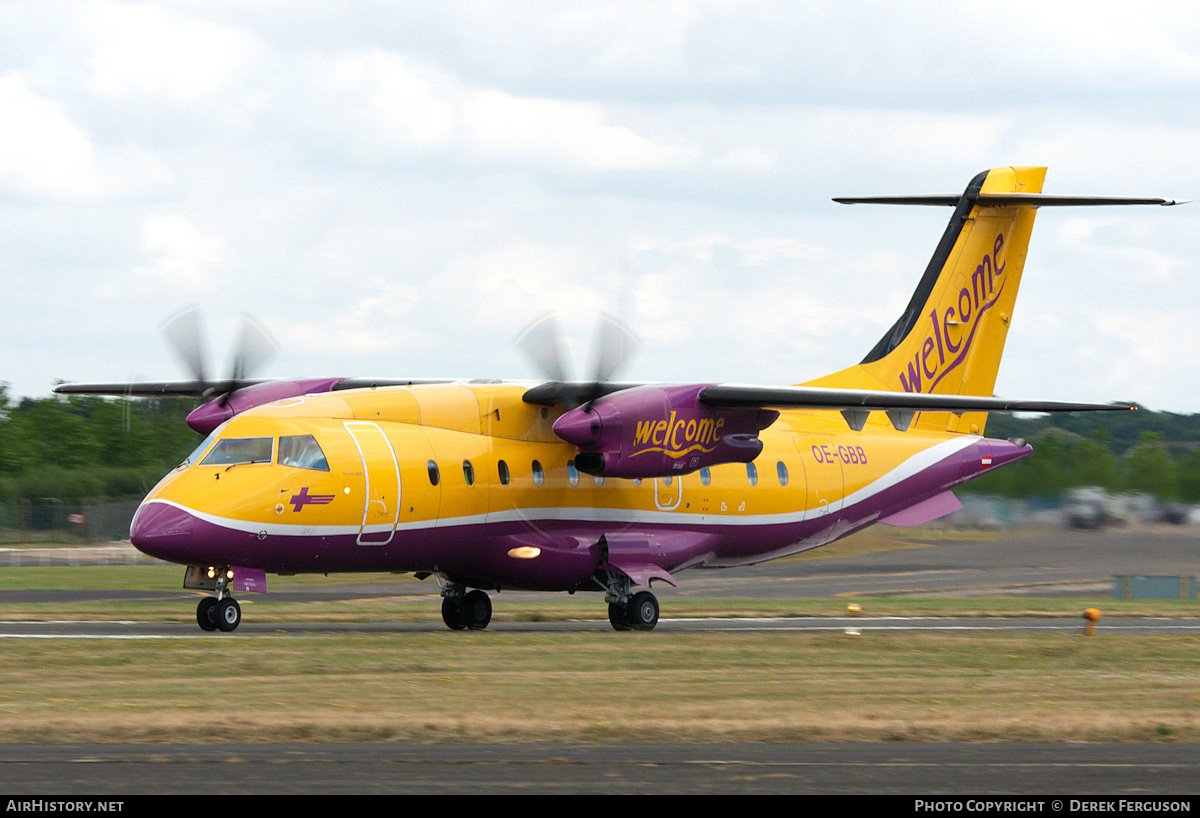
950	337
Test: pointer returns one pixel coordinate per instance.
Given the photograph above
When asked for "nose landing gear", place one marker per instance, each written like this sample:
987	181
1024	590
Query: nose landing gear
220	612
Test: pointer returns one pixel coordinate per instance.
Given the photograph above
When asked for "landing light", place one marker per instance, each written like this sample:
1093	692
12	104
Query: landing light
524	552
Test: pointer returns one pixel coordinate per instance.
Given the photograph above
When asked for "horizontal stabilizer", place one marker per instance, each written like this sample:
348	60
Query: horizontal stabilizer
1010	200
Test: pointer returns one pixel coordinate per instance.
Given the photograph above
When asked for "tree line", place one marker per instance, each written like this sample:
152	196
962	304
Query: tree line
1147	452
85	448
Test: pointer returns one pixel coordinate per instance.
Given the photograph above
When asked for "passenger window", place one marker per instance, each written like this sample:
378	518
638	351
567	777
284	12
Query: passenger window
752	474
434	476
538	474
705	475
234	450
503	467
468	472
572	473
302	452
781	470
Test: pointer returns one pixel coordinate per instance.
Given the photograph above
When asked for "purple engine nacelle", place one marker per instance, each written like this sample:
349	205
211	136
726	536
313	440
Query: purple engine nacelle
657	431
212	414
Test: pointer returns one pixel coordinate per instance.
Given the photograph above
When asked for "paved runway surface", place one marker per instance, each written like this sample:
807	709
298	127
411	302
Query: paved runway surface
1043	563
1153	771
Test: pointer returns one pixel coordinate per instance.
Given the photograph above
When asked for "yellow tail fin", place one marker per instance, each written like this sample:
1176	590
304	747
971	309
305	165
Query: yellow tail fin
950	338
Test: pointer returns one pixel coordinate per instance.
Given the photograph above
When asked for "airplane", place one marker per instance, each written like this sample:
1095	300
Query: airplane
599	485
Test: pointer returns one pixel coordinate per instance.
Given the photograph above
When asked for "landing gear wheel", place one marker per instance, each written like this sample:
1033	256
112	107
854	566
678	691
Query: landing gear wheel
618	616
206	613
476	610
452	614
228	614
643	611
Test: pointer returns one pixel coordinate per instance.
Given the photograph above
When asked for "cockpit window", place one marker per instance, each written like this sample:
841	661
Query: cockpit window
302	452
232	450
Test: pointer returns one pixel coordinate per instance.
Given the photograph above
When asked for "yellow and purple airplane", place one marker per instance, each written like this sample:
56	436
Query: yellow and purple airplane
603	486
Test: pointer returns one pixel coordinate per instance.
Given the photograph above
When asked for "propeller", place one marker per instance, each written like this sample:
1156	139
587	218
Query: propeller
541	342
182	331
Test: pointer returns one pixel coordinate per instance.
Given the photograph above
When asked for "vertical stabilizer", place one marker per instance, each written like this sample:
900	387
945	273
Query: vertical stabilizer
950	338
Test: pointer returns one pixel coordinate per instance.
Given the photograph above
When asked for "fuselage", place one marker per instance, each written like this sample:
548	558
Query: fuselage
470	481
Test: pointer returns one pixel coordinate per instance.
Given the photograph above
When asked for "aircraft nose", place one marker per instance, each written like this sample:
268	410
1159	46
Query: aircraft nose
161	530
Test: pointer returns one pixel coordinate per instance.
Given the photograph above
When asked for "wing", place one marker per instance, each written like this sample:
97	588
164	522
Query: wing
855	404
146	389
209	389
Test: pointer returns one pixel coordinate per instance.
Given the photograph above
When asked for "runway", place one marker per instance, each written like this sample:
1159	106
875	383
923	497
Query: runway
1147	773
132	629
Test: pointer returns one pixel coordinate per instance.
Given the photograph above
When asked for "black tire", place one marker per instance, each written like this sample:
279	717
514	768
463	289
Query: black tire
229	614
618	617
452	614
643	611
206	613
476	610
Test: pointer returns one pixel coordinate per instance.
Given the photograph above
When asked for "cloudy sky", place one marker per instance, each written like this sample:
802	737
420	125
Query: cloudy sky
396	189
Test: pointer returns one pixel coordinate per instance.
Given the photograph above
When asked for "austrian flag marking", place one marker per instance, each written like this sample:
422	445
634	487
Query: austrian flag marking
986	461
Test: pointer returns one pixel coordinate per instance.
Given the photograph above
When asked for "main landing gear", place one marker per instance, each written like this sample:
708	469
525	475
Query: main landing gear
220	612
638	613
463	609
628	611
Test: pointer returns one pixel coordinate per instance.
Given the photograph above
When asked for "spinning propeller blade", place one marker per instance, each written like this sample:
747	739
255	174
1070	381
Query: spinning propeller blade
255	347
543	345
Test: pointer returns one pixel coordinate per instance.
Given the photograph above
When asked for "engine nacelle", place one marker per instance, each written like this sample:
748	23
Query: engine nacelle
210	415
657	431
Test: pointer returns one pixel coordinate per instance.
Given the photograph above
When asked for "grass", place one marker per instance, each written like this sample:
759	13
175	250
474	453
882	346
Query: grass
493	686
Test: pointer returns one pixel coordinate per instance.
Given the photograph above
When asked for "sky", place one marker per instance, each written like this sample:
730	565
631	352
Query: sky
396	189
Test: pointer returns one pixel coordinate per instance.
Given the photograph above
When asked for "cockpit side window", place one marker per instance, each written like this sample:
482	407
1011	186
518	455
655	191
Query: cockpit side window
232	450
203	447
302	452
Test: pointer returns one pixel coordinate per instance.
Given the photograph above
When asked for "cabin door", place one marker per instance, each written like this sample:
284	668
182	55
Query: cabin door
823	473
381	483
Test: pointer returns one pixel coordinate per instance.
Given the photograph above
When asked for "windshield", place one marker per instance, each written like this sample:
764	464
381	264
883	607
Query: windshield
232	450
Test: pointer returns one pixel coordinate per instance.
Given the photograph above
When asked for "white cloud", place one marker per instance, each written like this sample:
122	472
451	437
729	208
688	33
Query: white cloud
43	155
389	101
182	257
145	51
561	134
